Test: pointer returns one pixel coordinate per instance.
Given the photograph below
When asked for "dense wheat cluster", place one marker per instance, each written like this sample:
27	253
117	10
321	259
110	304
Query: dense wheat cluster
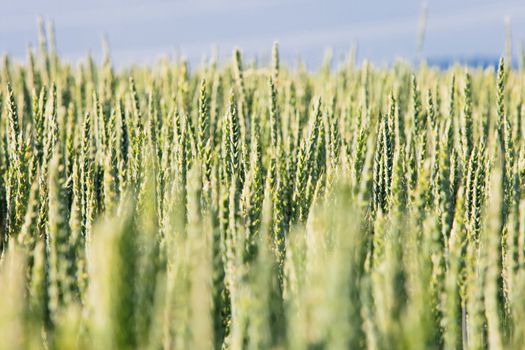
240	206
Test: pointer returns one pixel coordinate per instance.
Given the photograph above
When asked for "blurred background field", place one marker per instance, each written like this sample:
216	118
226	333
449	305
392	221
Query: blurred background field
141	31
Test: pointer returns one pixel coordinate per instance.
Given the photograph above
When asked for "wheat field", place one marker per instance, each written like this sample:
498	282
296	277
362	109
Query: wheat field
260	206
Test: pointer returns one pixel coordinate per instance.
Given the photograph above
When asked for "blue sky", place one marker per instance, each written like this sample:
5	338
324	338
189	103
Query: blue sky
142	31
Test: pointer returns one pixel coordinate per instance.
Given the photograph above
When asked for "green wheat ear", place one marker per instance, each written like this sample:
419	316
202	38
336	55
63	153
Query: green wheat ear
204	120
275	61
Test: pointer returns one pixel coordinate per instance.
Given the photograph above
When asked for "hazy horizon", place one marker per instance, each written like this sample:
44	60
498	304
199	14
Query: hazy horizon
142	31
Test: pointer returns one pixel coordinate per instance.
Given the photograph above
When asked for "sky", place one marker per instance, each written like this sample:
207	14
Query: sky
141	31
